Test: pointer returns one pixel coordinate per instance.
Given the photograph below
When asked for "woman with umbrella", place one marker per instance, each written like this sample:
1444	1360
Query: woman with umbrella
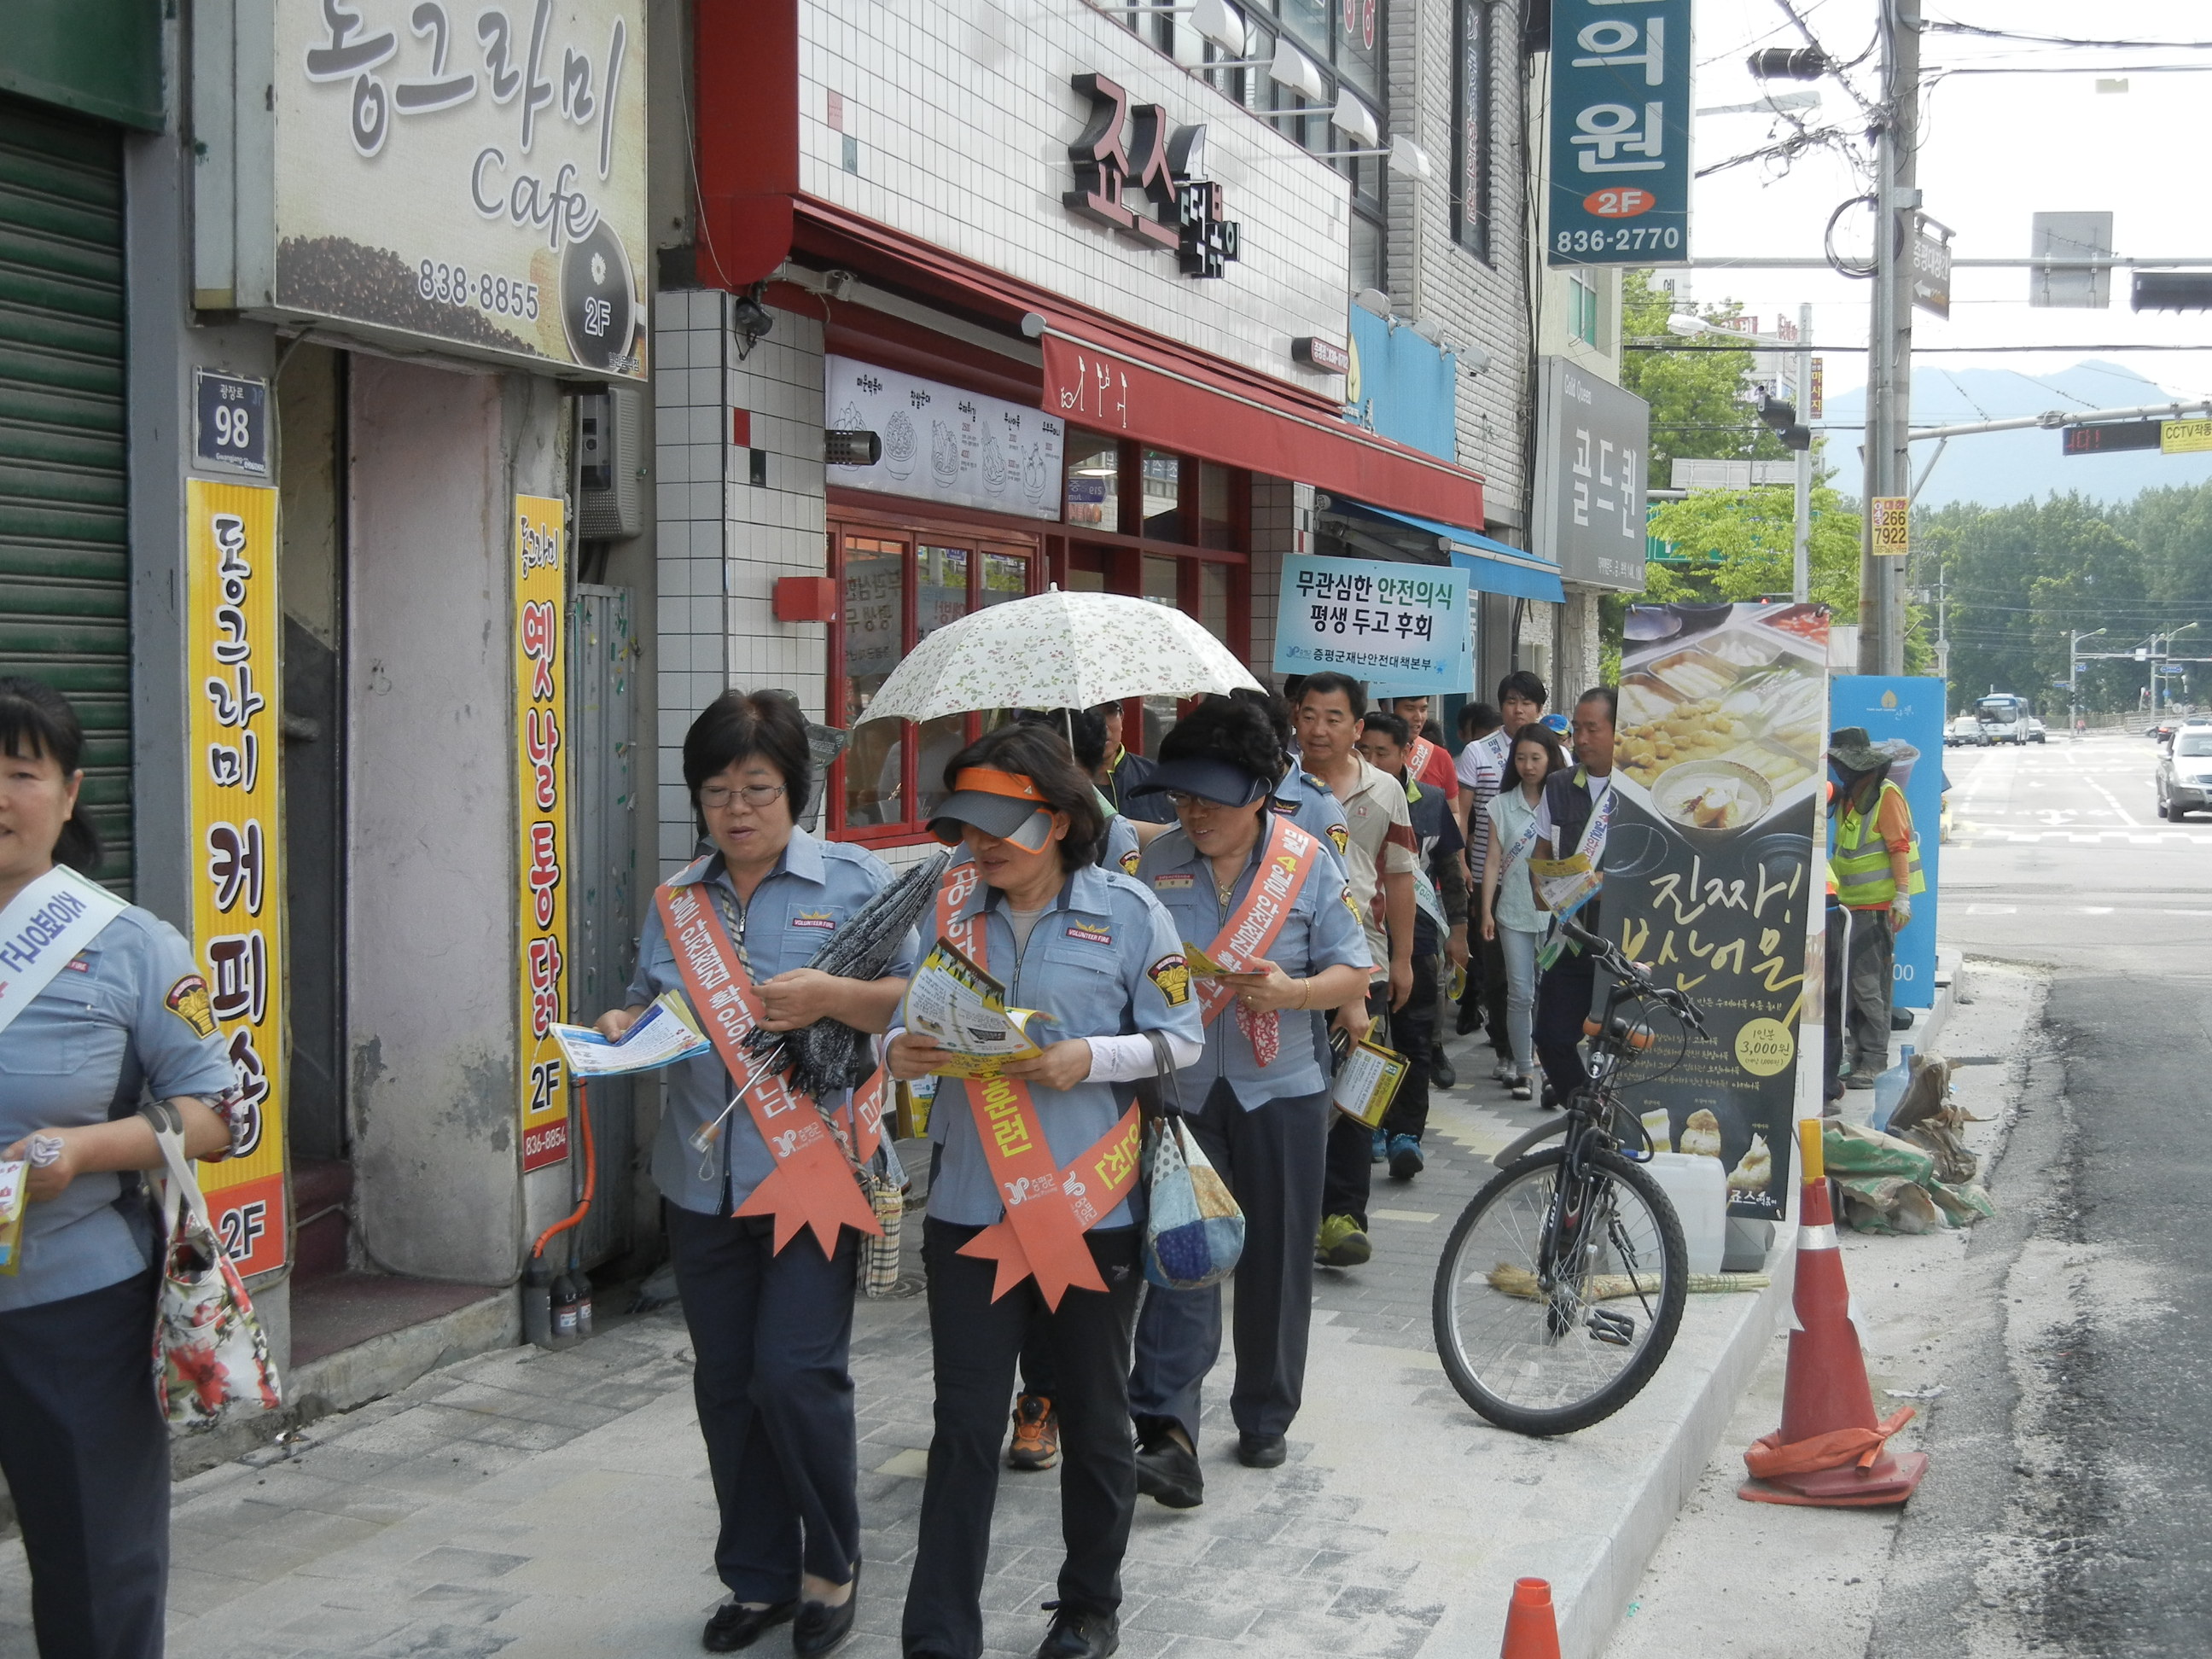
1266	899
747	1166
1030	1223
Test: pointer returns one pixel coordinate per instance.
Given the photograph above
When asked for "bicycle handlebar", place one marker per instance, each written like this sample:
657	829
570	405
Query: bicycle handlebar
1615	961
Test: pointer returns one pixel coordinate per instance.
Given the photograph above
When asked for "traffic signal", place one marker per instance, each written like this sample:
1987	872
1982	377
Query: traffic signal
1781	416
1790	63
2173	290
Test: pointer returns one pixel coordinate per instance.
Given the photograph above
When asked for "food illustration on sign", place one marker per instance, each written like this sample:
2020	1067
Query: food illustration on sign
995	467
899	446
1701	1135
1754	1171
1713	795
849	419
944	455
1036	477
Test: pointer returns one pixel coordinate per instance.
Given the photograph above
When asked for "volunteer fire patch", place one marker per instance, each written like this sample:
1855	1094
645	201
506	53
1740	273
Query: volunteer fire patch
188	1002
1172	975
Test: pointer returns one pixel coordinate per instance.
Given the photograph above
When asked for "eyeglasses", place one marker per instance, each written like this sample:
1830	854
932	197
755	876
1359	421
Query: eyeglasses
716	798
1186	803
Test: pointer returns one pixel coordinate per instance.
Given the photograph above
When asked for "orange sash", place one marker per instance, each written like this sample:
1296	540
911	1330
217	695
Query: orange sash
811	1185
1048	1210
1417	757
1284	863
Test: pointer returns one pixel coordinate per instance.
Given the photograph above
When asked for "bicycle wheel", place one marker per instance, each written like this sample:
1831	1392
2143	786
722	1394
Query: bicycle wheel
1546	1350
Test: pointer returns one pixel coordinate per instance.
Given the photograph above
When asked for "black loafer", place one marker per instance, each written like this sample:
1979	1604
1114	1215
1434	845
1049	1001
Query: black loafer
730	1627
1261	1451
1167	1471
820	1629
1078	1633
1442	1071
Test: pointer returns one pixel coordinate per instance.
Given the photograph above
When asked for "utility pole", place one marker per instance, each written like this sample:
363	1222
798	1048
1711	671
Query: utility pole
1943	629
1889	340
2074	639
1801	545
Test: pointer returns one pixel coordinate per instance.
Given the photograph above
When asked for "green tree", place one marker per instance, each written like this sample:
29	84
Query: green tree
1697	390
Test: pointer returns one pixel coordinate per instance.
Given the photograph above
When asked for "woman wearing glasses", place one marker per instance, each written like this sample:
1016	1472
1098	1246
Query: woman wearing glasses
1266	899
1030	1225
771	1327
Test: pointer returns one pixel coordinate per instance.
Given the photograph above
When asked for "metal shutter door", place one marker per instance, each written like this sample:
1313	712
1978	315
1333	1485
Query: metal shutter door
64	551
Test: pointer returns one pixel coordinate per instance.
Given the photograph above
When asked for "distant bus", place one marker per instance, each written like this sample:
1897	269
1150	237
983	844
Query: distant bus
2003	718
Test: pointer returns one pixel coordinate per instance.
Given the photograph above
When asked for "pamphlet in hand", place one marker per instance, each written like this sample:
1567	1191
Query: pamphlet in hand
1202	966
1565	883
14	1175
963	1010
664	1033
1366	1081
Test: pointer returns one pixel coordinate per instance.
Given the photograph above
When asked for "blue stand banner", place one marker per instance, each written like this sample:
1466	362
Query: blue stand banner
1904	716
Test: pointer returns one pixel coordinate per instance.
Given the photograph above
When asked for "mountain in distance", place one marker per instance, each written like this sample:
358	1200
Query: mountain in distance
1999	468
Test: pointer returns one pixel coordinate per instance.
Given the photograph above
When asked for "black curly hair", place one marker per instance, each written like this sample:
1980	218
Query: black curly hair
1229	729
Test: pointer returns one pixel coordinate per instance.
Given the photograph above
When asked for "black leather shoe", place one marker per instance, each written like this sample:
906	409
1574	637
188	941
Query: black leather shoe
819	1630
1169	1472
730	1626
1078	1633
1261	1451
1442	1071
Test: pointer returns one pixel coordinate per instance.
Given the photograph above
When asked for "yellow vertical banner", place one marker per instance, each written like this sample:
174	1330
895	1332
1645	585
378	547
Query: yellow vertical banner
233	679
541	600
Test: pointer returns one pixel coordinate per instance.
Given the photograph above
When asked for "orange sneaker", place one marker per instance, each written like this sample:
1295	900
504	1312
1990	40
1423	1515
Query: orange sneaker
1037	1434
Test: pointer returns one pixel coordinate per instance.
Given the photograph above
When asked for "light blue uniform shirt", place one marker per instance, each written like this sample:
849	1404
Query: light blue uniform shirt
1321	932
1121	845
814	888
1101	961
88	1049
1308	802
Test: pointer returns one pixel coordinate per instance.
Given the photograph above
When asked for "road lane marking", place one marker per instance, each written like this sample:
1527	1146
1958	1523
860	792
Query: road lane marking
2126	816
1993	909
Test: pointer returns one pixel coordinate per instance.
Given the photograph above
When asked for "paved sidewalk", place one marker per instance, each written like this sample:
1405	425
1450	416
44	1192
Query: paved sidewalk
558	1503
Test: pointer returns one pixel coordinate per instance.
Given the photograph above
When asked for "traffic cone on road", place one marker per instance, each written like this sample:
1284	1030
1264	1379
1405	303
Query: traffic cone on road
1531	1632
1830	1452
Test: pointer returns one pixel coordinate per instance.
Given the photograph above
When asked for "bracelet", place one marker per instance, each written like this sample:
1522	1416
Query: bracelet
1305	993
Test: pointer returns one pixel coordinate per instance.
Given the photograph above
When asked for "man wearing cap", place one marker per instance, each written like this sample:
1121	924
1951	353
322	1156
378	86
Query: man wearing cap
1120	773
1877	865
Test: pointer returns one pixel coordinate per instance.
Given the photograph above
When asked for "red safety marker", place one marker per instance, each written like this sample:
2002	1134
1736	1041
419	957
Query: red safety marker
1531	1631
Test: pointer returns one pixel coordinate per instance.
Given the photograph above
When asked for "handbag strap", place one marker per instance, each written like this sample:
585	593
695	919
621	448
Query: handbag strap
1165	1073
180	1191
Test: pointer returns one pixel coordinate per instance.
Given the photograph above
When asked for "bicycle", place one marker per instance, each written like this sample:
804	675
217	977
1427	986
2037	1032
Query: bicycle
1520	1306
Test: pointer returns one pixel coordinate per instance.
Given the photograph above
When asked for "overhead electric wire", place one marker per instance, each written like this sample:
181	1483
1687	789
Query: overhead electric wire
1986	33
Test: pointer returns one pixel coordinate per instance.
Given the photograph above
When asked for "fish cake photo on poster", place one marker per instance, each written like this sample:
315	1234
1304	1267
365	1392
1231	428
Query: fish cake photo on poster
1712	876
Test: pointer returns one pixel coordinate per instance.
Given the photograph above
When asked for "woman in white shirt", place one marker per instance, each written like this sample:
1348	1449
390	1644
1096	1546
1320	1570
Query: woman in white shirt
1509	915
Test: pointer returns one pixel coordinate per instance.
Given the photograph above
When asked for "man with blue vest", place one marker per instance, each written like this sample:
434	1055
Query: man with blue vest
1876	866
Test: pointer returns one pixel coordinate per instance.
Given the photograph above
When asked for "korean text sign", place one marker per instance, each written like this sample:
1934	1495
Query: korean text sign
232	680
542	781
943	443
1619	132
1593	455
474	174
1903	717
1403	626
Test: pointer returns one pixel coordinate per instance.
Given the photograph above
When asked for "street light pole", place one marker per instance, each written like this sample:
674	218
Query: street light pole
1800	544
1889	340
2073	681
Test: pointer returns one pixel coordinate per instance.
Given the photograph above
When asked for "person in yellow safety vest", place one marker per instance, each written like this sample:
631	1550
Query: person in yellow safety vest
1876	869
1835	975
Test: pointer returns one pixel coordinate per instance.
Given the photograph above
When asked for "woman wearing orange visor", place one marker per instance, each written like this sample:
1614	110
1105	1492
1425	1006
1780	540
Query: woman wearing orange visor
1031	1220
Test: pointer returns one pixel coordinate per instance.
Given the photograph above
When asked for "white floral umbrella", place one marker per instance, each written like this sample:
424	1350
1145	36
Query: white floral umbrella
1056	650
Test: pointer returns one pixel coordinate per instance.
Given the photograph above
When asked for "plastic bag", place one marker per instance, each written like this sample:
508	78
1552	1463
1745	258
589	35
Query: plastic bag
1195	1233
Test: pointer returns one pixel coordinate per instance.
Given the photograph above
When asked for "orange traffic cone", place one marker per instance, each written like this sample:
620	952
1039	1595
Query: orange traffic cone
1830	1452
1531	1632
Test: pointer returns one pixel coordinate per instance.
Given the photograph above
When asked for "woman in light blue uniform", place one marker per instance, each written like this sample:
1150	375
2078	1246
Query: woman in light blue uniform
122	1019
772	1330
1264	1124
1091	950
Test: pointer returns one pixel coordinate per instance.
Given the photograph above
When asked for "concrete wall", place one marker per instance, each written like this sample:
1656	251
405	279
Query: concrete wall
434	459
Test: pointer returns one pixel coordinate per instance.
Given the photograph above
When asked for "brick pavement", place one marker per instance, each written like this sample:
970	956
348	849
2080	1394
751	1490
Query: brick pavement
556	1504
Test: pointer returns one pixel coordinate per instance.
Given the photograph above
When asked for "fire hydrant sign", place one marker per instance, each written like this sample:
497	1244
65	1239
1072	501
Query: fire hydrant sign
1398	625
542	774
232	680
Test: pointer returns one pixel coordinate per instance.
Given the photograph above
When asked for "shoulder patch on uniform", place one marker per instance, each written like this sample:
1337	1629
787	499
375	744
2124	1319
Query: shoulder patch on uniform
188	1002
1091	932
1342	834
1173	880
1172	975
1129	860
77	964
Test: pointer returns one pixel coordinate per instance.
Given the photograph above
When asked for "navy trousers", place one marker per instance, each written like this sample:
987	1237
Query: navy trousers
1271	1157
1348	1172
1563	1002
772	1335
87	1457
973	1342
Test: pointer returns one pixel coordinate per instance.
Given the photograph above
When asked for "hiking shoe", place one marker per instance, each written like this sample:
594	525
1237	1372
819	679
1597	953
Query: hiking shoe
1168	1470
1470	1019
1406	1159
1340	1243
1504	1071
1036	1444
1379	1148
1859	1080
1522	1089
1442	1072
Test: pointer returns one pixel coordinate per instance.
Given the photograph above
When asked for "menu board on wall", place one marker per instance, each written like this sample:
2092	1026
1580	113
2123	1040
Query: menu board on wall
943	444
232	686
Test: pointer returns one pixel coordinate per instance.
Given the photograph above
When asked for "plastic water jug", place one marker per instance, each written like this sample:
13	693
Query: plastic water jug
1698	1187
1889	1088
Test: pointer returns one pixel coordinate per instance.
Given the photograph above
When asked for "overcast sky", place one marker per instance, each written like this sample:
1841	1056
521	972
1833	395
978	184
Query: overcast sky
1996	149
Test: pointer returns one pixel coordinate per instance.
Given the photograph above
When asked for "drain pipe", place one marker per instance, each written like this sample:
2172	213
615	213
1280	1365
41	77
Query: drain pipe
537	1274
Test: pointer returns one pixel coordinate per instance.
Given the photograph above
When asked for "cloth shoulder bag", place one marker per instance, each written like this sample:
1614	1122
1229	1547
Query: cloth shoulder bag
211	1361
1194	1230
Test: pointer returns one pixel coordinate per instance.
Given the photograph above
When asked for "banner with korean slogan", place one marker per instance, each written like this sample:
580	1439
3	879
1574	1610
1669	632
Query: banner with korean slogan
541	785
233	679
1620	174
1402	626
1713	874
